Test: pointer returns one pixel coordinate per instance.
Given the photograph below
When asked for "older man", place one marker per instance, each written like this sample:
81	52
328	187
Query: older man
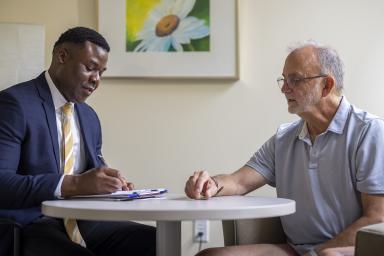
330	161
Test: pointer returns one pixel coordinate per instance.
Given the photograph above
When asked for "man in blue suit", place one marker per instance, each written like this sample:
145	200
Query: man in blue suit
31	155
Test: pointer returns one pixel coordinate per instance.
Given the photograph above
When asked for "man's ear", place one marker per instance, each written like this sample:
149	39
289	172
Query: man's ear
329	84
62	54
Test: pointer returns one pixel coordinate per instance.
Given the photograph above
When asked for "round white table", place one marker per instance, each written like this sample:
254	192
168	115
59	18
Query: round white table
169	211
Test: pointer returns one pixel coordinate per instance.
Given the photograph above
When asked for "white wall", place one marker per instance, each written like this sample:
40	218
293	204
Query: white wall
159	132
21	52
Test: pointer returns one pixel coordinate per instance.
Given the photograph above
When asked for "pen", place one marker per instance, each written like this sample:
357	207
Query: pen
102	160
106	165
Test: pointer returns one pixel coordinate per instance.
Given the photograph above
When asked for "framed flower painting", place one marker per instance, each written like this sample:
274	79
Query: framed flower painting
170	38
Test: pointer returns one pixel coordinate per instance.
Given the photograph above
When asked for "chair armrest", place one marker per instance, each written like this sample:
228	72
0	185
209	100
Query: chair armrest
6	221
253	231
370	240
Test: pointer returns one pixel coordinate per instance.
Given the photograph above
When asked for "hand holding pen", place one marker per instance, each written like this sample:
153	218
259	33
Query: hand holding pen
125	185
99	180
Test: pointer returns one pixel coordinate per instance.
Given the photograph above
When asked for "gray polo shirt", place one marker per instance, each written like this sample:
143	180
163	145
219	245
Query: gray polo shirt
325	178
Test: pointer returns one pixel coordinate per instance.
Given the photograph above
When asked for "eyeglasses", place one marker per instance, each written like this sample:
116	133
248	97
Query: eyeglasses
293	81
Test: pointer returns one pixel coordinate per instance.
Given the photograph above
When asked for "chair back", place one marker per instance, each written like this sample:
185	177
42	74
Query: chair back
370	240
253	231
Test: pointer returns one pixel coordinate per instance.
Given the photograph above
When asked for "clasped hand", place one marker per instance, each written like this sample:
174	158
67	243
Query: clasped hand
200	186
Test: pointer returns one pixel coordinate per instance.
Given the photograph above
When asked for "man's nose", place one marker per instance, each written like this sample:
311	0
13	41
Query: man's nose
286	88
95	77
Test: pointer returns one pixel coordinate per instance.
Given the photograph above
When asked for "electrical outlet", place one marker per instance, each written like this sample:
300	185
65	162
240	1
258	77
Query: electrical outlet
201	231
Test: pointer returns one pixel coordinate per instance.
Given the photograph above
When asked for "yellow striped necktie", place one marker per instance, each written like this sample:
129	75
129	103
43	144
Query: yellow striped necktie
69	161
67	150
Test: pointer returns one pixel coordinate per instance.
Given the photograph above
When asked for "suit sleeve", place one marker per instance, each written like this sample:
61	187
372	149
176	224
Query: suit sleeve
19	188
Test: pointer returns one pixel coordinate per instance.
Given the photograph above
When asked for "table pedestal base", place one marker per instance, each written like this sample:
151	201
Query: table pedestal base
168	238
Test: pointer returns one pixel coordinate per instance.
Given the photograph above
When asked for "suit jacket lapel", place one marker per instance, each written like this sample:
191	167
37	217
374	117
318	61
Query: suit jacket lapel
49	108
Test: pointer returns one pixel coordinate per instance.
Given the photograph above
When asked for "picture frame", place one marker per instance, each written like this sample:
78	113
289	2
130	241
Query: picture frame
218	61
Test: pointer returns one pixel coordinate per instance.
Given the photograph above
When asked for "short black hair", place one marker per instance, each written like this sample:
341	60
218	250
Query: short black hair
79	35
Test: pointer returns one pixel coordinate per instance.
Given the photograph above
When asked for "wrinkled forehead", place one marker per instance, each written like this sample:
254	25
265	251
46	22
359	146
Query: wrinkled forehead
302	61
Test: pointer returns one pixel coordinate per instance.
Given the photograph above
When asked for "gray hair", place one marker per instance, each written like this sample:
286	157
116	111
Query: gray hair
329	60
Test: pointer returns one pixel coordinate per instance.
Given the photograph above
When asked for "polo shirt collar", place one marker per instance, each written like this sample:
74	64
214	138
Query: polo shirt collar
339	120
303	132
337	124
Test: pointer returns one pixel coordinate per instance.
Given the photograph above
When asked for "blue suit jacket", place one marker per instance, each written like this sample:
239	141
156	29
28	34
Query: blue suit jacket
29	150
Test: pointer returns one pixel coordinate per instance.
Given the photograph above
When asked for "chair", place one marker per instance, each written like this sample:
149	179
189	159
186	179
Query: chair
16	233
253	231
369	239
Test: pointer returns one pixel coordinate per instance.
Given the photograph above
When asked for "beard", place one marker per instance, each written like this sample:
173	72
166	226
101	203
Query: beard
305	103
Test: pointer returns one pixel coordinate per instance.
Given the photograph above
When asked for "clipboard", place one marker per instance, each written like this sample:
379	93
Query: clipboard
122	195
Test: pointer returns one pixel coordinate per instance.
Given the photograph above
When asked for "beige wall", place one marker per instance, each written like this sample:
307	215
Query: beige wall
158	132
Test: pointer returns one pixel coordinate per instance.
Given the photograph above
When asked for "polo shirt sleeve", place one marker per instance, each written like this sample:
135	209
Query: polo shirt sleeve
370	159
263	161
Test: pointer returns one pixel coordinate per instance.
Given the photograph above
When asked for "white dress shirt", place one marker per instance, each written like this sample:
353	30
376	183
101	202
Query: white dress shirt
78	145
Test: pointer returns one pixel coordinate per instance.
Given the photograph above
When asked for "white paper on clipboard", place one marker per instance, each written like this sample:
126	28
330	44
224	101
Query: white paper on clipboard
126	195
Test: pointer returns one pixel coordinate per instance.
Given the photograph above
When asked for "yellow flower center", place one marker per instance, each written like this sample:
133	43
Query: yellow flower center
167	25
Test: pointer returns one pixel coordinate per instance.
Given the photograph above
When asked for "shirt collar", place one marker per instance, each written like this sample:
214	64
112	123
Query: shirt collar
338	121
57	97
303	132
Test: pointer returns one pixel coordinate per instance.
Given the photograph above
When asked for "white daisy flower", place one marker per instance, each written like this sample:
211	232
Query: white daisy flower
168	25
